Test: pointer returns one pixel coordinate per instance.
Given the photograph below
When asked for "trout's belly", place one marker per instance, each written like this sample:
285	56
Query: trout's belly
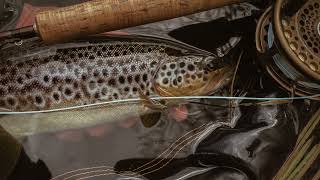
40	84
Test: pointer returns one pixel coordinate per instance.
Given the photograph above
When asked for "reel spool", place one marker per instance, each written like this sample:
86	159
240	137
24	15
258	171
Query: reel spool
290	46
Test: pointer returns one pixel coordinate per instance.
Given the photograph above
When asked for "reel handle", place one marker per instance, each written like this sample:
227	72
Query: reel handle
99	16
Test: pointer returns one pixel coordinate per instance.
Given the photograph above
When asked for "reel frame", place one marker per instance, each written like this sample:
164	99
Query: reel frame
298	36
275	51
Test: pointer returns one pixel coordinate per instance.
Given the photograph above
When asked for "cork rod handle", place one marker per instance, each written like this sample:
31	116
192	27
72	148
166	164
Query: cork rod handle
99	16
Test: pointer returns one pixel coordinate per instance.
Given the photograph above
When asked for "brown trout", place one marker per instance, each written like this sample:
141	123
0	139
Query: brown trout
35	77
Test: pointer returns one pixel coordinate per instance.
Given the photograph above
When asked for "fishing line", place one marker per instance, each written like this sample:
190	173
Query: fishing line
288	70
176	146
175	143
196	135
105	174
232	103
145	164
161	98
98	175
97	167
235	73
192	137
89	172
148	162
131	173
112	172
264	103
170	147
206	104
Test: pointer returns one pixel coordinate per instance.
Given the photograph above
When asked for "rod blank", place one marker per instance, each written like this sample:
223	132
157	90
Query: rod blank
99	16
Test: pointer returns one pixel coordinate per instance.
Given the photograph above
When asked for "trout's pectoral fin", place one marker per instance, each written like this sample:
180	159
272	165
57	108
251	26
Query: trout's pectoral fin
162	92
149	120
147	102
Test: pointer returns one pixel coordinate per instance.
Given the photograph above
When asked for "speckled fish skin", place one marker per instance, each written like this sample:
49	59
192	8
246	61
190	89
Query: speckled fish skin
86	72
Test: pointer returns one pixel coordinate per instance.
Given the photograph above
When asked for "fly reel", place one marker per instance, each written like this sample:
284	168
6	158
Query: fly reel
289	45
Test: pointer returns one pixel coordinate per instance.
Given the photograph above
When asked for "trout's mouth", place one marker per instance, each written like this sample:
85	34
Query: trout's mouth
217	80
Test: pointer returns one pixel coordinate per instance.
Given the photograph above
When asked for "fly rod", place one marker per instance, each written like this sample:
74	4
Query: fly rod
97	16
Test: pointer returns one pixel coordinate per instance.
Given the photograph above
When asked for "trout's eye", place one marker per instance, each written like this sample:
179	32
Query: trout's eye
210	63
